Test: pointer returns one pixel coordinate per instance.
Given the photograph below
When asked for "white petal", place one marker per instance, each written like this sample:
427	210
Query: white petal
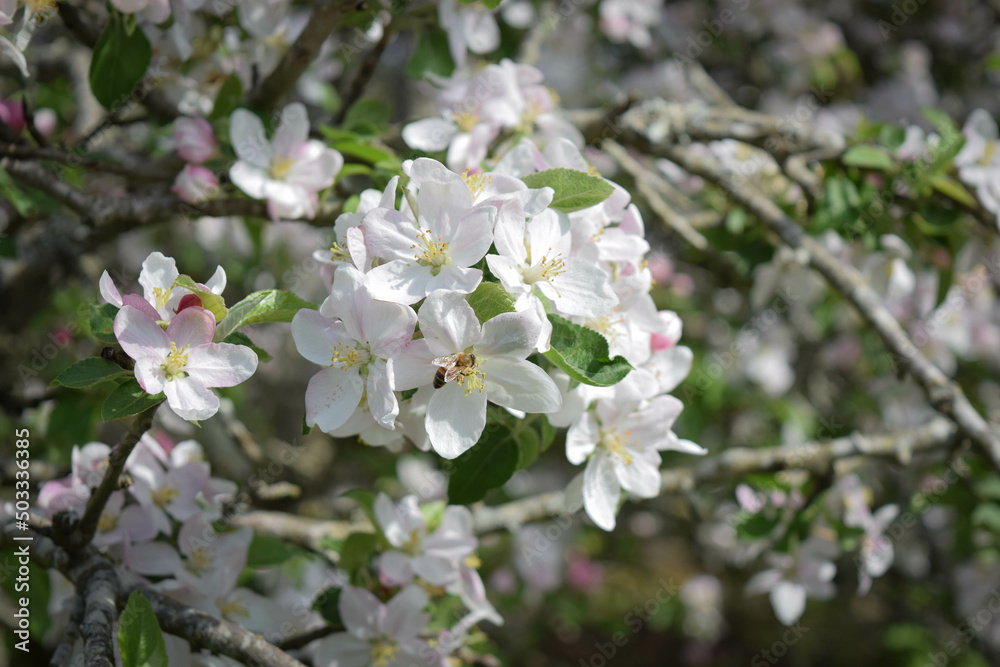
221	364
429	134
360	611
246	132
316	336
190	399
789	601
447	318
399	281
601	492
520	385
108	290
583	290
455	420
331	397
581	439
293	130
509	335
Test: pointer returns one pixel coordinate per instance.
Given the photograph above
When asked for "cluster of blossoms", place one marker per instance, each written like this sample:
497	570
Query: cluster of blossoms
807	568
169	335
427	556
477	107
162	527
450	233
195	142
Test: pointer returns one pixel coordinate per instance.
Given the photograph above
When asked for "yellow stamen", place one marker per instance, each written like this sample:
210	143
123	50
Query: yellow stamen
431	252
164	495
616	444
161	296
281	167
234	607
339	253
466	120
175	362
383	653
476	182
472	560
107	522
199	561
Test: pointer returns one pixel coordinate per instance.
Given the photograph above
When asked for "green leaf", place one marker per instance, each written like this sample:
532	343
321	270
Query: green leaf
267	551
119	62
949	187
989	487
754	526
21	201
431	55
487	465
102	322
237	338
941	121
489	300
868	157
584	354
987	515
529	446
271	305
367	116
128	399
228	98
357	551
210	301
140	640
327	604
574	190
365	152
88	372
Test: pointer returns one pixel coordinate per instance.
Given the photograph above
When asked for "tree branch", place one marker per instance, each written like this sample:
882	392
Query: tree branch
324	18
944	395
99	617
64	650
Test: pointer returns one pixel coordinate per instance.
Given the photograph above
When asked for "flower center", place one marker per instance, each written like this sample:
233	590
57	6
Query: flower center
988	152
164	495
231	608
610	325
199	561
431	252
107	522
43	9
545	270
471	378
176	360
281	167
472	560
466	120
383	652
616	444
348	357
161	296
339	253
476	182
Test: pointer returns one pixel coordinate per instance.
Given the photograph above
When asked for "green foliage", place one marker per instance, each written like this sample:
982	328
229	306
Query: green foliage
128	399
210	301
357	551
229	97
89	372
574	190
140	640
267	551
327	604
488	464
868	157
584	354
102	322
121	57
489	300
431	55
272	305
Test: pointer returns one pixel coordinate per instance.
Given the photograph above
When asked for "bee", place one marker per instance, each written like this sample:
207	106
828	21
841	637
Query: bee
451	367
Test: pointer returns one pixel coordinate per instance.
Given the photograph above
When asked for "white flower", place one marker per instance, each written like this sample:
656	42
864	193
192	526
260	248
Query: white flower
535	261
436	251
791	580
349	245
495	368
287	171
381	635
622	443
182	361
630	20
469	26
354	348
435	556
160	298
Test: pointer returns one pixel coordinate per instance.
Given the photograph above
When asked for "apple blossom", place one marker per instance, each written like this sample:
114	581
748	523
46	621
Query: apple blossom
195	184
499	372
809	573
182	361
287	171
161	298
194	139
353	335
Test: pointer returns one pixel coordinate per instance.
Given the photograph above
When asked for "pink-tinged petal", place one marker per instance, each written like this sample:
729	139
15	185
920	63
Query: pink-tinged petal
246	133
348	299
429	134
360	611
108	290
293	130
404	617
331	397
381	401
149	374
192	326
190	399
139	335
395	568
154	559
135	521
601	492
582	438
520	385
412	366
357	246
387	326
221	364
399	281
447	318
140	304
315	167
455	420
509	335
317	336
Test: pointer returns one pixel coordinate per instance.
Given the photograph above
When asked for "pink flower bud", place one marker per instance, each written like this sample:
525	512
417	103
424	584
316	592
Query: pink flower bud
658	342
195	184
187	301
194	139
12	114
46	121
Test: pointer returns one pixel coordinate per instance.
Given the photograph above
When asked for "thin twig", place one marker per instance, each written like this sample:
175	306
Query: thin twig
69	159
324	18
